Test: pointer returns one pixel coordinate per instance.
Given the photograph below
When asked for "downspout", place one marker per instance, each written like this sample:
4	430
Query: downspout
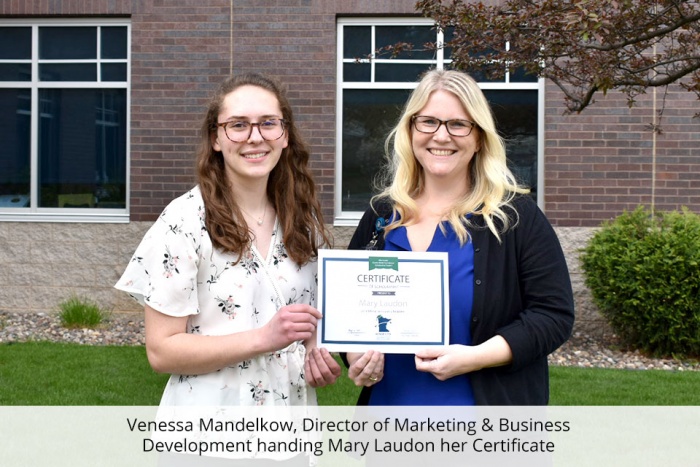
654	131
230	42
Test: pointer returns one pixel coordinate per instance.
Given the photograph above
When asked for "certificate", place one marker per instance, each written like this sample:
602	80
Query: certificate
391	301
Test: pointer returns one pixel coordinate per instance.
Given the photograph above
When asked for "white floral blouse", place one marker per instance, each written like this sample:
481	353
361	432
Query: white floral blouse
176	271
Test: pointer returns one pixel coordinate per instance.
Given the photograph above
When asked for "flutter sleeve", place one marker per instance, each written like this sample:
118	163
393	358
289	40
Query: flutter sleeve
163	271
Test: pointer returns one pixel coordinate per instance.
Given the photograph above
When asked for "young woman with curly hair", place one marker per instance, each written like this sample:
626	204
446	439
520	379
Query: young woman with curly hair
227	274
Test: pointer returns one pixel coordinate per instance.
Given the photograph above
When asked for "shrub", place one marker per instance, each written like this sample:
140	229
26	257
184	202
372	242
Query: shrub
644	273
81	312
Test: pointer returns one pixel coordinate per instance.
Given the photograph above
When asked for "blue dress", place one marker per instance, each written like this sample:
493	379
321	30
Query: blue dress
402	384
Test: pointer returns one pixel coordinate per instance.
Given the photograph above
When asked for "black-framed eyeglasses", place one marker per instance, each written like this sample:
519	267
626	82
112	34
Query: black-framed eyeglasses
455	127
239	131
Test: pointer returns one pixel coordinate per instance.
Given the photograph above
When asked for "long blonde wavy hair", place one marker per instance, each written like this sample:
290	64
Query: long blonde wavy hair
492	185
290	187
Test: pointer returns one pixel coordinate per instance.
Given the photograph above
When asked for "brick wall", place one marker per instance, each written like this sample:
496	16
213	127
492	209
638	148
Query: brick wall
607	159
597	163
180	52
296	41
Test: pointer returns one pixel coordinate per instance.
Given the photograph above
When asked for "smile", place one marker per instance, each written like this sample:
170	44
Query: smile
441	152
255	156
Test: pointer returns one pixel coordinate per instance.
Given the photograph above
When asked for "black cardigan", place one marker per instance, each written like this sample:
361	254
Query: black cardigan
522	291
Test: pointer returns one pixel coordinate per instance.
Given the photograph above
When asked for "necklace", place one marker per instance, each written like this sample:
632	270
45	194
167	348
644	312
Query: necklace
258	219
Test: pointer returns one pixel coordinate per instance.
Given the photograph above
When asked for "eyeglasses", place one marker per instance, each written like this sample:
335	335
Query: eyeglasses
239	131
455	127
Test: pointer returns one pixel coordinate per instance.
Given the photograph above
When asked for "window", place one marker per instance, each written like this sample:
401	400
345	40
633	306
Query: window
64	120
371	94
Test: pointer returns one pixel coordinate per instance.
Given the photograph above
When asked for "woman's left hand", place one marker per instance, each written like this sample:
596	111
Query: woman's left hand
320	368
445	362
457	359
366	369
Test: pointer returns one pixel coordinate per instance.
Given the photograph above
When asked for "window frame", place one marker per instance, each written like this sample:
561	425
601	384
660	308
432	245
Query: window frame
351	218
33	213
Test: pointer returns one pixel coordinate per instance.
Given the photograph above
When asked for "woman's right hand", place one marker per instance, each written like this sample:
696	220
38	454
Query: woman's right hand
290	324
366	369
171	349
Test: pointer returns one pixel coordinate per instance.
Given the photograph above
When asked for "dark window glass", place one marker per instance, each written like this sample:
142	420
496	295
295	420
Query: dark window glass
399	72
516	120
15	72
479	73
479	76
15	106
361	72
416	35
113	71
448	35
519	75
113	43
357	41
15	43
68	72
368	117
82	148
67	43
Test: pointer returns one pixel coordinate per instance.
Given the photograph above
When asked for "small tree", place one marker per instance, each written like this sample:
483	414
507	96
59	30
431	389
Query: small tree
644	275
583	47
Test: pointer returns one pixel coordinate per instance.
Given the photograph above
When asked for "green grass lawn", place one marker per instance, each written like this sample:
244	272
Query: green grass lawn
42	373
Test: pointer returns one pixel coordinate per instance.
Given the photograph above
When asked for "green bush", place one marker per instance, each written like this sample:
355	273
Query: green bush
644	273
81	312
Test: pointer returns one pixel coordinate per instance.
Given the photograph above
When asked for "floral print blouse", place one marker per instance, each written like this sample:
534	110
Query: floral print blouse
176	271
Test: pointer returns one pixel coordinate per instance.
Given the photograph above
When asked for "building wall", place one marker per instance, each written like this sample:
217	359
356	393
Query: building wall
607	159
296	40
596	164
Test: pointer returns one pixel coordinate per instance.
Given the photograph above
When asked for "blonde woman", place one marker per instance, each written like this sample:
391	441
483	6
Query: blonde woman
511	302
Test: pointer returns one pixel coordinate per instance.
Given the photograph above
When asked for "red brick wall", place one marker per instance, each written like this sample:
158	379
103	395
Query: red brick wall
596	163
296	41
180	52
607	159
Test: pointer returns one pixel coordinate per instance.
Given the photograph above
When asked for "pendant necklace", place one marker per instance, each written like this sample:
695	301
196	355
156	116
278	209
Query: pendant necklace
259	220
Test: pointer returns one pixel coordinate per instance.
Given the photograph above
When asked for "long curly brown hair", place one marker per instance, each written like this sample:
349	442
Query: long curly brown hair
290	187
